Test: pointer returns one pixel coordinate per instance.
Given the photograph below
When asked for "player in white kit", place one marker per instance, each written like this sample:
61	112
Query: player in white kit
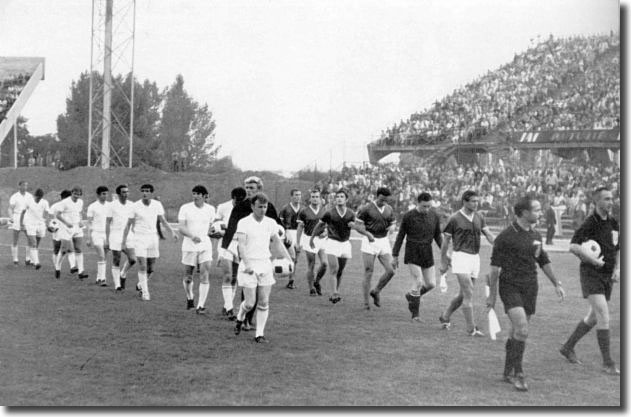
17	204
34	220
97	215
194	220
58	251
69	213
120	210
143	218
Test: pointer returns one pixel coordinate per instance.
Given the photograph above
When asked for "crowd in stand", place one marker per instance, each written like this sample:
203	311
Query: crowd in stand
10	89
563	183
559	84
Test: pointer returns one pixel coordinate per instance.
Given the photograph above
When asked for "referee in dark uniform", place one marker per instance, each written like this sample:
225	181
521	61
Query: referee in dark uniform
516	253
421	225
597	276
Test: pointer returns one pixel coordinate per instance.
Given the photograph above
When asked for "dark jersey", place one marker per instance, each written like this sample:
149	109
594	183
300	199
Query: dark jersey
337	225
605	233
465	233
289	217
375	220
420	228
243	209
310	218
517	252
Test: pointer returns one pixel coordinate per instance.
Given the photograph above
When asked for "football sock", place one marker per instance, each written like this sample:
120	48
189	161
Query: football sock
383	281
581	330
124	270
603	344
27	254
188	288
250	314
203	293
261	318
228	293
508	365
468	318
14	253
142	282
234	292
116	276
100	270
79	258
58	259
519	347
241	313
321	272
424	290
310	278
34	256
72	259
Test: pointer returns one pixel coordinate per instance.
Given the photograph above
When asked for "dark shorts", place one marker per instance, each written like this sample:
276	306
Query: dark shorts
519	295
593	282
418	254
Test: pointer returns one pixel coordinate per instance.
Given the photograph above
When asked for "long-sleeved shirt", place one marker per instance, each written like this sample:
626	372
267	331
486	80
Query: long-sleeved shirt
420	228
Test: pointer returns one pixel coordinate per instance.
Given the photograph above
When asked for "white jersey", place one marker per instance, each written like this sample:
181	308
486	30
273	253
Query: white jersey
120	214
98	212
224	210
70	210
146	217
18	203
197	221
36	212
258	236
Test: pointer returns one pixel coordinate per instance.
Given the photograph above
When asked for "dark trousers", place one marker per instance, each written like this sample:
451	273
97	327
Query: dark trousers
550	234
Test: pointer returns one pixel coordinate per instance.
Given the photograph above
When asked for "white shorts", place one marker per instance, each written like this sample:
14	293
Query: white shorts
15	225
232	253
338	249
318	242
194	258
116	240
263	275
37	229
147	246
66	233
98	238
381	246
465	263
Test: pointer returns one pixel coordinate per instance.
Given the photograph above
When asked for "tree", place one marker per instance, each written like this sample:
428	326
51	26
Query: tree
187	129
6	149
72	126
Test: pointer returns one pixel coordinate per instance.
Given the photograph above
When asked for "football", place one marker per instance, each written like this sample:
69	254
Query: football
53	225
216	230
282	267
592	247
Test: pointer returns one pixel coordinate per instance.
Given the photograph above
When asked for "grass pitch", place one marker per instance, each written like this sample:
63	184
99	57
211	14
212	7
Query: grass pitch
67	342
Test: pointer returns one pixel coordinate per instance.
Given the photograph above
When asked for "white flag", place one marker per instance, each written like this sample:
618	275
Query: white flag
494	324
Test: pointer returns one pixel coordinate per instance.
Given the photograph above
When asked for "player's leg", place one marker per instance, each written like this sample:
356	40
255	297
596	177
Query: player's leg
226	266
205	260
414	295
598	304
333	268
311	258
341	264
386	261
101	264
77	242
248	284
187	281
32	248
324	265
116	272
429	280
130	254
142	287
14	245
466	286
369	267
519	333
262	312
57	254
39	234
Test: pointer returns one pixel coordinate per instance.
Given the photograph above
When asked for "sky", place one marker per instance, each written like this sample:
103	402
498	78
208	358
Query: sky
293	84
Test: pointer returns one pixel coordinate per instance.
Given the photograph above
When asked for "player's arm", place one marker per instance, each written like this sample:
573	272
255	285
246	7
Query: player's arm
585	256
360	227
487	233
616	271
242	239
164	223
281	247
438	235
493	279
299	230
444	248
88	228
316	232
130	223
22	218
398	242
108	225
547	269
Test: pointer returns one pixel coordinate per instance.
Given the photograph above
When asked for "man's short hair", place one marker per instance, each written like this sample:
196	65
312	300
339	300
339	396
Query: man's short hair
384	191
523	204
200	189
342	191
76	189
119	189
294	190
39	193
22	182
238	193
65	194
146	187
260	197
597	191
466	196
256	180
424	196
101	189
315	190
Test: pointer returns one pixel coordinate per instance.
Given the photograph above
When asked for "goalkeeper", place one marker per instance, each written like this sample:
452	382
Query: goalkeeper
597	276
516	253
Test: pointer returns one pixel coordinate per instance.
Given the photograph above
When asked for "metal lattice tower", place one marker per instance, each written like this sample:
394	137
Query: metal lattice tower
111	53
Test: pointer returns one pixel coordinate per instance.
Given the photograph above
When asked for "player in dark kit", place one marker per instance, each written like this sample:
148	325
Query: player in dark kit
308	218
339	221
289	220
597	276
516	252
420	226
378	218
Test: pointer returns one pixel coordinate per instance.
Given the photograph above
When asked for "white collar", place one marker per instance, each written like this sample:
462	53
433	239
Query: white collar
341	214
470	218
